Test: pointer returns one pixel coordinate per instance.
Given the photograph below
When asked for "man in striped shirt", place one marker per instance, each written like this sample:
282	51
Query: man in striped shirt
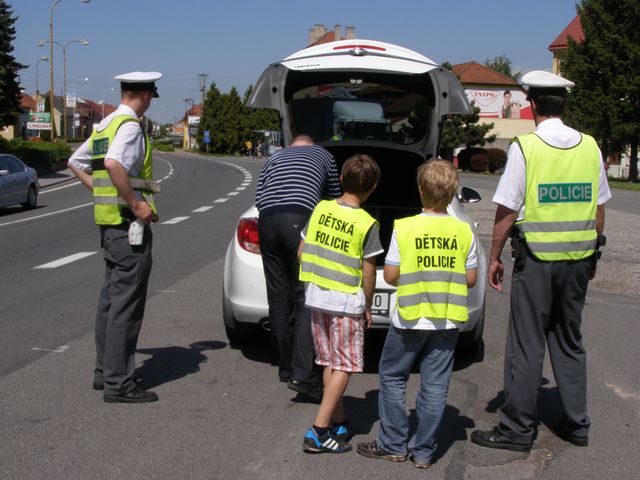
291	183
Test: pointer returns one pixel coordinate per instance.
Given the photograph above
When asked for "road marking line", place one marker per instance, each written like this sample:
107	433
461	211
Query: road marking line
54	350
174	220
241	188
221	200
46	214
245	184
203	209
63	261
42	192
231	194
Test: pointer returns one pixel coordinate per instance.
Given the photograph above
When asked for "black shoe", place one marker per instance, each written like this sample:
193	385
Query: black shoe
99	384
137	395
373	450
305	389
564	431
496	439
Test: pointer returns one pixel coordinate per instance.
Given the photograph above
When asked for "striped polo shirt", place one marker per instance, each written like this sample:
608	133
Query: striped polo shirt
295	179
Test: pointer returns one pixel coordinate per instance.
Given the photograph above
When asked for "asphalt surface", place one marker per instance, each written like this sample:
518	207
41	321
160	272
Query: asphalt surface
222	413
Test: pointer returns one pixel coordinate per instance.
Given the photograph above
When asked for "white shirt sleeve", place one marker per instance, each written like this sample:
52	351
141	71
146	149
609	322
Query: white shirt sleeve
511	188
393	254
81	158
472	257
127	147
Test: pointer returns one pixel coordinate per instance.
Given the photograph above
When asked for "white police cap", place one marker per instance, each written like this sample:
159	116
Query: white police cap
139	81
543	79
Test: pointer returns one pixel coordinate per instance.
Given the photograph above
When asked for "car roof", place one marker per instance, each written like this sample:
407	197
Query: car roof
359	54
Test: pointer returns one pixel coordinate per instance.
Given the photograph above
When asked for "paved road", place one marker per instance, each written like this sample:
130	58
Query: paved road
222	413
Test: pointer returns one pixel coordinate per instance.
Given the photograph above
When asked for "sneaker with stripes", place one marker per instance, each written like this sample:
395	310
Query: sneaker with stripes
314	443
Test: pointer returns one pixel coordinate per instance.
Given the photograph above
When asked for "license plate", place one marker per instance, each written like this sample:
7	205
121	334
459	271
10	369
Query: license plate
380	304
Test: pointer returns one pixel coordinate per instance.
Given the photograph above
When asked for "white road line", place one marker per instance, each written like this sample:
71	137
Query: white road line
63	261
42	192
174	220
55	350
221	200
203	209
232	194
46	214
241	188
245	184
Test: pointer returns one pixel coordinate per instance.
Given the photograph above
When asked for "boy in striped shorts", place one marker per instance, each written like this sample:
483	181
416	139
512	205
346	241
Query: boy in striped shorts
337	262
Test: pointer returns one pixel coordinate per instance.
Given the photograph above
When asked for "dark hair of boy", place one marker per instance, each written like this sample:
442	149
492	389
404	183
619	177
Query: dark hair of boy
549	102
359	174
438	183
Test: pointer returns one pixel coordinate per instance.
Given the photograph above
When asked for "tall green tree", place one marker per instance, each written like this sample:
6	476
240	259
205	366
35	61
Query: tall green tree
502	64
606	70
9	69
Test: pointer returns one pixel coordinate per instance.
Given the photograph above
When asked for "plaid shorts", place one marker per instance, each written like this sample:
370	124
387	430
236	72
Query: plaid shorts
338	341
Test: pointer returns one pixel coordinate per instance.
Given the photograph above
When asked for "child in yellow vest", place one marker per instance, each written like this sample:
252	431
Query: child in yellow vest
337	255
432	260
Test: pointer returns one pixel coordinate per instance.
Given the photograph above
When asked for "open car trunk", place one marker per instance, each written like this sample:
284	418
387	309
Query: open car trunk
397	193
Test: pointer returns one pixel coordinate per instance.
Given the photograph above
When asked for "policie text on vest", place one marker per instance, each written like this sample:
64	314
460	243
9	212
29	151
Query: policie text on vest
338	225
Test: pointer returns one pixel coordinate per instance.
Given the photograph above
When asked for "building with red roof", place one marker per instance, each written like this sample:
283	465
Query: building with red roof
561	43
319	34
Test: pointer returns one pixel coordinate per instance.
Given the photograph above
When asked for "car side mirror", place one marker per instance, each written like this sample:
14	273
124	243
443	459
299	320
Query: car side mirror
469	195
4	172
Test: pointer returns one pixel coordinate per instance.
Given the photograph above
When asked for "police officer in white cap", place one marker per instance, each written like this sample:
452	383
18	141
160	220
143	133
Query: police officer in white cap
115	164
551	202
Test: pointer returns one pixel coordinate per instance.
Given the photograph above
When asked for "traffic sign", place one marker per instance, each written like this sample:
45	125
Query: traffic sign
207	136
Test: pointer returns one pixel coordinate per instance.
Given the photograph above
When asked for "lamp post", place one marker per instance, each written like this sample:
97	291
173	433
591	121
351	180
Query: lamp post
53	123
75	102
82	41
41	59
111	89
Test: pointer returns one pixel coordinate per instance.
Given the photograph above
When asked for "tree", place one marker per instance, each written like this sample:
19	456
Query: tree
502	64
10	94
464	130
606	70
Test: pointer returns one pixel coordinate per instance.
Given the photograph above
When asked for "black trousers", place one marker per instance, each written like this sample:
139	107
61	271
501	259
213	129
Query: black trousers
547	299
290	321
121	307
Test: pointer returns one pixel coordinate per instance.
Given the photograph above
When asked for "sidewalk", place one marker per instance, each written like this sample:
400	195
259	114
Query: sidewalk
54	178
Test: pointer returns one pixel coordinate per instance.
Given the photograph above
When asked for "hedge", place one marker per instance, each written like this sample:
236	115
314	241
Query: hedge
40	155
497	159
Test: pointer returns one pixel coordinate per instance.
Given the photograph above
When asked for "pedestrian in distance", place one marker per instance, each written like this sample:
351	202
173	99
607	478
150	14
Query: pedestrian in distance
432	259
291	183
338	266
115	163
550	201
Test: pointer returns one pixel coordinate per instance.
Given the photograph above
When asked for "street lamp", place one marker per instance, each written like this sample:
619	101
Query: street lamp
41	43
75	102
102	101
41	59
53	123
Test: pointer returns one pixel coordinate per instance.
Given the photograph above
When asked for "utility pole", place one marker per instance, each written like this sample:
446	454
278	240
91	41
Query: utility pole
185	142
202	77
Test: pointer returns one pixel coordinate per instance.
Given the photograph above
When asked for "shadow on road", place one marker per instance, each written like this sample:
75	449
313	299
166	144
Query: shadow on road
167	364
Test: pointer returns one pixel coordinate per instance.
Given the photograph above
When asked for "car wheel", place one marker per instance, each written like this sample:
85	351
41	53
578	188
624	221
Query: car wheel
32	199
470	343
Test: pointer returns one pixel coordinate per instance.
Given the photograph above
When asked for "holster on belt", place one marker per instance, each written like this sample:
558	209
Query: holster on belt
518	248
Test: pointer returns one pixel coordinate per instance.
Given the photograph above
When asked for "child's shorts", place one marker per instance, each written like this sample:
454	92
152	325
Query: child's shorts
338	341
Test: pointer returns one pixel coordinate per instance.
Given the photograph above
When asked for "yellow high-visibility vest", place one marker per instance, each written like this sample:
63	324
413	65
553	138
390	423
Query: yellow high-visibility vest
108	206
433	256
333	247
560	198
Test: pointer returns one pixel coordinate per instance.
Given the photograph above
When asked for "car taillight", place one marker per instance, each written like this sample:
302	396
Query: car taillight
248	237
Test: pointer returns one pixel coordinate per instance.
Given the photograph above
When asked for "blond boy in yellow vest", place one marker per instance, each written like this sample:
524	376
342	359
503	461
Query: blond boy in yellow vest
337	255
432	260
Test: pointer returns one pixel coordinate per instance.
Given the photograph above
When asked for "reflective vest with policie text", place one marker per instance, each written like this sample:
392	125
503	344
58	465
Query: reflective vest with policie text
333	247
433	257
108	206
560	198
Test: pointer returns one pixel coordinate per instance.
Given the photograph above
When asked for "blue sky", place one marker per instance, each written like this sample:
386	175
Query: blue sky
233	41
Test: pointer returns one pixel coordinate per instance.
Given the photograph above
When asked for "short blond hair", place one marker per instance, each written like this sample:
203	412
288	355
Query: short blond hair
438	182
